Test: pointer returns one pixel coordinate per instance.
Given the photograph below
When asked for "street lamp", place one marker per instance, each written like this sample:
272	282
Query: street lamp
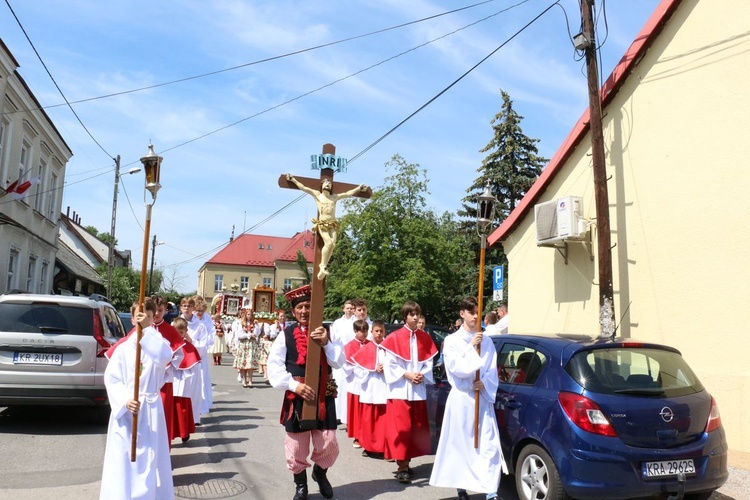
485	215
152	166
151	272
111	254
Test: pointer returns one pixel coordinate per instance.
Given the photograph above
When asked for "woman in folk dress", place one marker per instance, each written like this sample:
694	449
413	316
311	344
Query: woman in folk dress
244	344
220	341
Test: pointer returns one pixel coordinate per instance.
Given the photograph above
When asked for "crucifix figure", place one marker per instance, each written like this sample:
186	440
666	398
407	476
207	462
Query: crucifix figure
326	193
326	224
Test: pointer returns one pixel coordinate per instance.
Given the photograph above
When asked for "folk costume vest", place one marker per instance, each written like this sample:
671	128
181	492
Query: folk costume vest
291	409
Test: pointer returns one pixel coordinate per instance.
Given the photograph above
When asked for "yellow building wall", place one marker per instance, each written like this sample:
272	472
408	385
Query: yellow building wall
675	141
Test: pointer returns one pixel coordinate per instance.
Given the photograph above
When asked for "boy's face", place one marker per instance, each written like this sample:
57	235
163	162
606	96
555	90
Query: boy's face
159	314
348	310
361	312
361	335
378	334
182	331
411	321
470	318
420	323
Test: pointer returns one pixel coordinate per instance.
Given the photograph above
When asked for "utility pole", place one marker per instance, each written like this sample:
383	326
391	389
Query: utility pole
151	272
604	244
111	253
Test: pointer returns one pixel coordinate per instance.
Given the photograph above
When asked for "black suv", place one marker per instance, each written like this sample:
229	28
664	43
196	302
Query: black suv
52	350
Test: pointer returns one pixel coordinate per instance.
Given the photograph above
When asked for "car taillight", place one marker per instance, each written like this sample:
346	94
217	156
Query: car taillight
99	335
586	414
714	419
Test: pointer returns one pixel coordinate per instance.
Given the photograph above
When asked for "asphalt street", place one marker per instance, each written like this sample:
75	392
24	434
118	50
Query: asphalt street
55	453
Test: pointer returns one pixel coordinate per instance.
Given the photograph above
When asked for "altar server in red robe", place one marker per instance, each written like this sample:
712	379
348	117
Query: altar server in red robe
408	366
354	378
374	394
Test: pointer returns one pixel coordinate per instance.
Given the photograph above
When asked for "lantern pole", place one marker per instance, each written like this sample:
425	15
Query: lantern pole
151	165
485	216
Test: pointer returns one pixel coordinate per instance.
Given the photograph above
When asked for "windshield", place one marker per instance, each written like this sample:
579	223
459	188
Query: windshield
633	370
47	318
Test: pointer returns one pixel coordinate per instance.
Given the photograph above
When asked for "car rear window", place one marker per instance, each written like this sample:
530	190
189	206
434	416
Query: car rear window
46	318
633	370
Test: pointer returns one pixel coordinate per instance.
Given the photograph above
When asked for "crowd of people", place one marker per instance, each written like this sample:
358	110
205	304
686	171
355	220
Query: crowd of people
373	384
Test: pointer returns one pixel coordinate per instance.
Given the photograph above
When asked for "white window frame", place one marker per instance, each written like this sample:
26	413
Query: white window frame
43	278
31	273
38	189
267	282
52	198
15	255
218	282
244	282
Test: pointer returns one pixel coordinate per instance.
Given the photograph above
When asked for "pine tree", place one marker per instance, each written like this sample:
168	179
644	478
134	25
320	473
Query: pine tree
511	166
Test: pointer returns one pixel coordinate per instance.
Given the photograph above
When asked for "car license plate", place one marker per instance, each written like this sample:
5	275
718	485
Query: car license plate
668	468
36	358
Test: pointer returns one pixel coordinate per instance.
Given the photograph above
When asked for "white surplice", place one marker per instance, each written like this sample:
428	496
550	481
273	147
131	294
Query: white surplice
150	476
457	463
342	332
202	340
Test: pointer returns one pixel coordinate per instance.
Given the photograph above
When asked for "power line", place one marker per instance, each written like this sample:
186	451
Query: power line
53	79
260	61
381	138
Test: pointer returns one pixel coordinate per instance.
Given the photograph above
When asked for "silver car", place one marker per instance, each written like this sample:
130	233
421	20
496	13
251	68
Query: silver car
52	350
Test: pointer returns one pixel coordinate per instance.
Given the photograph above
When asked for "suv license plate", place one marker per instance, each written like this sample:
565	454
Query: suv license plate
36	358
668	468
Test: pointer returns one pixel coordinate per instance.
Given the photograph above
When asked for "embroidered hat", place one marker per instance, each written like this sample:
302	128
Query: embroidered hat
298	295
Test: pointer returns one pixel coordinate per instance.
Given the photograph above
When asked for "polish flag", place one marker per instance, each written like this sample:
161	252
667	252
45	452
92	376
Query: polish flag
18	191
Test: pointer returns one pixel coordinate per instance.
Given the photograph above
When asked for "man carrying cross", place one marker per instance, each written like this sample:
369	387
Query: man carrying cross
286	370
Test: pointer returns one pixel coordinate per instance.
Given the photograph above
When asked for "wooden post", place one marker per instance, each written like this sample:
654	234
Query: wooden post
604	242
312	365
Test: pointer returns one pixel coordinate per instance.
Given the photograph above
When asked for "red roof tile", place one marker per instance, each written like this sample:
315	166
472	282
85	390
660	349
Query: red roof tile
637	49
264	251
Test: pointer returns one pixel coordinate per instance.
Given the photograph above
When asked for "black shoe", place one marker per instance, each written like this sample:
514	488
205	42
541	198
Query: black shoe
403	477
319	476
462	495
186	439
300	482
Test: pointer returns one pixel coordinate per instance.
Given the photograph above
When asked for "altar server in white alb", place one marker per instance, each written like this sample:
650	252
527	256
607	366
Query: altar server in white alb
457	463
150	476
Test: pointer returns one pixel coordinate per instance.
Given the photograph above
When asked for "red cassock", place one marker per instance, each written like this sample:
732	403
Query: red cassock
353	409
372	415
407	433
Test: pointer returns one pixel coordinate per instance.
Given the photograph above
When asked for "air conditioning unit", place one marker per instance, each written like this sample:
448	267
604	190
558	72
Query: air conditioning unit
559	220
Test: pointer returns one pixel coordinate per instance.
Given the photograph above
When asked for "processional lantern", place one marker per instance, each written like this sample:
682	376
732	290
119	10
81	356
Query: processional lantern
152	166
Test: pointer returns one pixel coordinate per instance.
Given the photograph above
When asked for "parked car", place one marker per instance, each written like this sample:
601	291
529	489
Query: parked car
52	350
584	417
127	320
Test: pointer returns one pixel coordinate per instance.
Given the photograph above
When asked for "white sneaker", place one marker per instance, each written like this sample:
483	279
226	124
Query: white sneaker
239	377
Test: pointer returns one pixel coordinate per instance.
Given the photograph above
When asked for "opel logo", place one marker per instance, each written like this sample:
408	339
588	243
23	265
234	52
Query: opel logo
666	414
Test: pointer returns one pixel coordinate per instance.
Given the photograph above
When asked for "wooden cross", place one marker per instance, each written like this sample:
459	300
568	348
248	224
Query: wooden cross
312	365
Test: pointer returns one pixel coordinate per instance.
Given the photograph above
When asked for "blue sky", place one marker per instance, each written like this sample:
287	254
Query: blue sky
227	137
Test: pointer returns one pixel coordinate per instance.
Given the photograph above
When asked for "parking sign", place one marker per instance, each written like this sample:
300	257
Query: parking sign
498	283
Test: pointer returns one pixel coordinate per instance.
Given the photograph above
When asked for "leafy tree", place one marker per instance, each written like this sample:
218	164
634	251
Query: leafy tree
104	237
125	286
392	249
510	168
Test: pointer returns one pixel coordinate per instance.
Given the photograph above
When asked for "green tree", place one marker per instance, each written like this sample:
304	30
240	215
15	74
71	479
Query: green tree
125	286
392	249
105	237
510	168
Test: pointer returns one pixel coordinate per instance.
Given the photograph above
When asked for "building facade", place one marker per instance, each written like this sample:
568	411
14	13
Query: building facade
32	153
253	260
675	112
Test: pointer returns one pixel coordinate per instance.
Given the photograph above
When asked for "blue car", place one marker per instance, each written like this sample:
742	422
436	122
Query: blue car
592	418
